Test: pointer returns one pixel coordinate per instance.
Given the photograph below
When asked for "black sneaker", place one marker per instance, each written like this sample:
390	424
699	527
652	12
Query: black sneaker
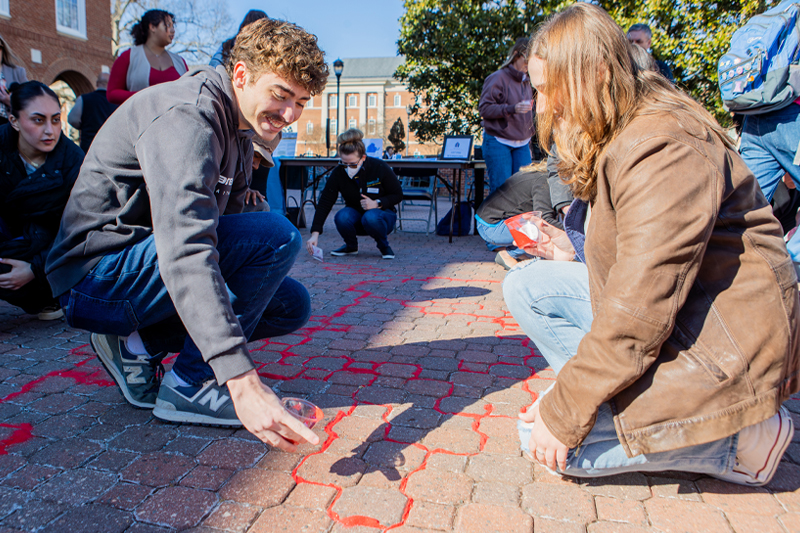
345	250
207	404
51	312
137	376
387	253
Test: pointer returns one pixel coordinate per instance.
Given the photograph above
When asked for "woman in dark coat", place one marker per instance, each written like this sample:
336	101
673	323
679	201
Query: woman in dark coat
38	167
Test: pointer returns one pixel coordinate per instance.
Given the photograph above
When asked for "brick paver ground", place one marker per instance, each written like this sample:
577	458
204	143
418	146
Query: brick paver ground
420	370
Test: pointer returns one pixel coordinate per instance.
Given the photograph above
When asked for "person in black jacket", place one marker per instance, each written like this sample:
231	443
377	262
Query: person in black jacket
370	191
90	112
38	167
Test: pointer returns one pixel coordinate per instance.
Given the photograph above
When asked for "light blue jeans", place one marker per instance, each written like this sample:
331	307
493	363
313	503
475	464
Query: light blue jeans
550	301
769	144
498	236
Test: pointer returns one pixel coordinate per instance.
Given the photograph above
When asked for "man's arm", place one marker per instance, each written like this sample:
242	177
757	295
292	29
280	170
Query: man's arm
74	117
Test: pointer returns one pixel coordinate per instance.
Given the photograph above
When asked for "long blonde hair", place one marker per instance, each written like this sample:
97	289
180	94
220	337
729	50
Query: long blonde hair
9	57
594	89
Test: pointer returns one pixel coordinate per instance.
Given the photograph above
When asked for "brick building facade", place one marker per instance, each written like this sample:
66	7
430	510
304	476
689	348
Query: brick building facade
372	100
66	40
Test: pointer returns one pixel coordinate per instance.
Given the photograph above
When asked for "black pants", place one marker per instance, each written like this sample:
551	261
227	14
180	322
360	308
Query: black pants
31	297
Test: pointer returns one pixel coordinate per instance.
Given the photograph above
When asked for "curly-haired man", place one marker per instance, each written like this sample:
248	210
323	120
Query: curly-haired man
154	255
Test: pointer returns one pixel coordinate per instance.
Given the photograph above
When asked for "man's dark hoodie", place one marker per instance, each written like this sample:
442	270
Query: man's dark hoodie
169	162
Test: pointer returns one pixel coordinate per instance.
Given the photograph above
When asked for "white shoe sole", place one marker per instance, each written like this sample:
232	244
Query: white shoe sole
166	411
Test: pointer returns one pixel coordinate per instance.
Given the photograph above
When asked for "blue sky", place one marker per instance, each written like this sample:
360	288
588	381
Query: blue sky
351	28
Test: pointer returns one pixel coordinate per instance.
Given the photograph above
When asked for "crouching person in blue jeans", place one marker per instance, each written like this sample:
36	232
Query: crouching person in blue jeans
152	258
675	340
370	191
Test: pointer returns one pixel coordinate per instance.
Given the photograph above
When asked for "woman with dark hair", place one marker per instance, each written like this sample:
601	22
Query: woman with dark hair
505	107
674	337
38	167
148	62
220	57
10	72
370	191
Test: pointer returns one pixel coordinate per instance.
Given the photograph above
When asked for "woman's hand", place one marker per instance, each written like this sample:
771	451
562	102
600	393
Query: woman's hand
255	196
553	242
368	203
20	275
544	446
312	242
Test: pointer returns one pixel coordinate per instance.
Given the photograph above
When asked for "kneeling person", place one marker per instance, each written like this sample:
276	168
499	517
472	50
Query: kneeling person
146	260
370	191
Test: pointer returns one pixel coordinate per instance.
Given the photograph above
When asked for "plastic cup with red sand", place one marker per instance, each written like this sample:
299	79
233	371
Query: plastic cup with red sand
523	230
305	411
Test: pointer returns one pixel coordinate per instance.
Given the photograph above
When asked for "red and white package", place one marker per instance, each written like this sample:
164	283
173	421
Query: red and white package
523	230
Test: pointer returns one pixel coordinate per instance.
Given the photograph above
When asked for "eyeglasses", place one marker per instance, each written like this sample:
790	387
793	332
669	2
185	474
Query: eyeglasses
349	165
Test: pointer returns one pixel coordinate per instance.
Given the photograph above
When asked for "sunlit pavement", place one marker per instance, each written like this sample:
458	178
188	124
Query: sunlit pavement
420	370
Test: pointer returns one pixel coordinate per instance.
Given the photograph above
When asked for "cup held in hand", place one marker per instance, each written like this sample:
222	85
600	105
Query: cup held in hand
305	411
523	230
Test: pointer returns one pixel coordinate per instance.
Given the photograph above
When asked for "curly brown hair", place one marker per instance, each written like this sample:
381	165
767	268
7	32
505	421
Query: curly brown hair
282	48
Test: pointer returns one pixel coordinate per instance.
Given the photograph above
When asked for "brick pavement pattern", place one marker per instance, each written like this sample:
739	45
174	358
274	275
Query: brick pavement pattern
420	370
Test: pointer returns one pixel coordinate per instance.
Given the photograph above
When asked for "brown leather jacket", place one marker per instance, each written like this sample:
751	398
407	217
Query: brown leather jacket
694	298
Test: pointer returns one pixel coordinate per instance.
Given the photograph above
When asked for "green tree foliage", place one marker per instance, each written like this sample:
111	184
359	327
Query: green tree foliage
396	135
451	46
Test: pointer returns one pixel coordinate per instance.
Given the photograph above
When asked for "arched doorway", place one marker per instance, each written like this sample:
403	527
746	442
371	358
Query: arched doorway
68	85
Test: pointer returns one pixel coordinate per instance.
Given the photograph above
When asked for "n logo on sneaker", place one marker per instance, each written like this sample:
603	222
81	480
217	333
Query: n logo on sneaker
133	374
213	400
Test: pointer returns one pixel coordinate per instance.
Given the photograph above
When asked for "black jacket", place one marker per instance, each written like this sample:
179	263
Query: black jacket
374	179
521	193
31	206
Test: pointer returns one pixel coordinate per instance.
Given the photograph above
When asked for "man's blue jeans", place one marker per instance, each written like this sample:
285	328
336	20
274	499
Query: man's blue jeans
498	236
503	161
769	143
124	292
550	301
377	223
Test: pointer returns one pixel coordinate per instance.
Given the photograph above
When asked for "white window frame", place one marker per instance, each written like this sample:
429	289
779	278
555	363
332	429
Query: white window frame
352	100
333	126
309	128
5	9
397	100
72	32
310	103
371	126
332	103
372	100
351	124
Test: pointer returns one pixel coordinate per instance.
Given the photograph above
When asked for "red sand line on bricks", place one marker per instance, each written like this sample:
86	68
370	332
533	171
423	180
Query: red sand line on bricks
329	323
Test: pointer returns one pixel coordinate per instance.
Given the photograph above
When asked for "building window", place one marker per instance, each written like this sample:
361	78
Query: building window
352	100
372	126
310	103
332	100
309	128
352	123
397	100
4	10
372	100
333	126
71	17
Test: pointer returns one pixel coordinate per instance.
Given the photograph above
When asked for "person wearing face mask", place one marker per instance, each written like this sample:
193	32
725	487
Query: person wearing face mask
370	191
38	167
148	62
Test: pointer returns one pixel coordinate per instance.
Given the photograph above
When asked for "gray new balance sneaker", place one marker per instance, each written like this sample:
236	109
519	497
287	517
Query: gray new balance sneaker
137	376
208	404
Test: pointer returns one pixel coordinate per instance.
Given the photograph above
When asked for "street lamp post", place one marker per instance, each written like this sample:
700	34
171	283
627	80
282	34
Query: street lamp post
338	67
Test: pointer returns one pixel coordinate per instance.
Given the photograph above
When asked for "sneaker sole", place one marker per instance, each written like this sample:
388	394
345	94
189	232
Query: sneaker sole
781	443
101	348
51	315
166	411
340	254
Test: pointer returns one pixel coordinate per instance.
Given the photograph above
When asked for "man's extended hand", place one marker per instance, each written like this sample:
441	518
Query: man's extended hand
253	197
262	414
544	446
368	203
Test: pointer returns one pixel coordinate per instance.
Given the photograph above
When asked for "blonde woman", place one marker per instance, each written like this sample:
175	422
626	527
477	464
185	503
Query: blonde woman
675	340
